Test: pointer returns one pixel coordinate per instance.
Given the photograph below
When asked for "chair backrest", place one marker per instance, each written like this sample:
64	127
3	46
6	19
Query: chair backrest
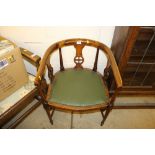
79	44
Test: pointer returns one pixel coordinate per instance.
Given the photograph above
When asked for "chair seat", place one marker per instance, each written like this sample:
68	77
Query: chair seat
78	87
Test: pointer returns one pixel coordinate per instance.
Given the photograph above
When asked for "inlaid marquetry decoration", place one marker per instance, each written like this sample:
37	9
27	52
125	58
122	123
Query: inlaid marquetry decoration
78	59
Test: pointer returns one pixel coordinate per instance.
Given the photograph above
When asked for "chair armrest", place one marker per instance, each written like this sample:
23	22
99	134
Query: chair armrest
115	70
117	75
30	57
43	63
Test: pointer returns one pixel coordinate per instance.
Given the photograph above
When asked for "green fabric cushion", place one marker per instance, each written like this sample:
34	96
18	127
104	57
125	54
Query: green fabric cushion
78	88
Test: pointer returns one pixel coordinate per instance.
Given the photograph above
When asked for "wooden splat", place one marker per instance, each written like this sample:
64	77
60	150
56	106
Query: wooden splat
79	57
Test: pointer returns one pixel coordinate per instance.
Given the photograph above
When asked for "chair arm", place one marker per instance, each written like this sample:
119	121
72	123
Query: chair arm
40	73
45	60
115	69
116	73
30	57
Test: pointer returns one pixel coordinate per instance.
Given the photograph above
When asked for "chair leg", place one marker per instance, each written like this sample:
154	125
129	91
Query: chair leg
107	111
50	111
72	120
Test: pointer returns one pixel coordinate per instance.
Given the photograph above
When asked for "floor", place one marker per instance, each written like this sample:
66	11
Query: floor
117	119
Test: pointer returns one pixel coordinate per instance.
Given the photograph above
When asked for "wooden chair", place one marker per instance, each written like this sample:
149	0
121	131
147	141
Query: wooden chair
77	89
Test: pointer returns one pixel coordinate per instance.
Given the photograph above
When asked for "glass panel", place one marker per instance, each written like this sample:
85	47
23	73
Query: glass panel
141	65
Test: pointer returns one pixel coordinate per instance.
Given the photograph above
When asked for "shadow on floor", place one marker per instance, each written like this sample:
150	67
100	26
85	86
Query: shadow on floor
117	119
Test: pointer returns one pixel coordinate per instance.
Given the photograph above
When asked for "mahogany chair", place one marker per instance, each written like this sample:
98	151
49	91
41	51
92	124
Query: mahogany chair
77	89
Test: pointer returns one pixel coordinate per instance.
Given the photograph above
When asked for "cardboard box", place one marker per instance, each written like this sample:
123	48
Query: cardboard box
13	73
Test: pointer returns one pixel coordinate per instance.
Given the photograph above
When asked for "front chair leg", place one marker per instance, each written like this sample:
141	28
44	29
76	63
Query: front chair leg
50	112
107	110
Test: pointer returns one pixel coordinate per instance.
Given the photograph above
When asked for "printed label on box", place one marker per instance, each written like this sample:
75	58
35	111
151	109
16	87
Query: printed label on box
3	63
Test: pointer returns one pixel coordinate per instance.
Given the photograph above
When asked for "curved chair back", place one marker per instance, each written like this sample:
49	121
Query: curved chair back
79	44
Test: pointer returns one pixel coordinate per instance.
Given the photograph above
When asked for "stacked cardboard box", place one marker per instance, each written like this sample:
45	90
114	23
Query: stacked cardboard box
13	73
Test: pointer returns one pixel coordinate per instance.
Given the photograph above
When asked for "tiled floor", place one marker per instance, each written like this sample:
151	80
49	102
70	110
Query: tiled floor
126	118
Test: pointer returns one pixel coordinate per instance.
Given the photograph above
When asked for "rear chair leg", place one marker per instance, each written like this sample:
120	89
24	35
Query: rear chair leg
50	112
71	120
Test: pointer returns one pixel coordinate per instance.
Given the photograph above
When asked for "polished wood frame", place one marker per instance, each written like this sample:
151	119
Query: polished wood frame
79	44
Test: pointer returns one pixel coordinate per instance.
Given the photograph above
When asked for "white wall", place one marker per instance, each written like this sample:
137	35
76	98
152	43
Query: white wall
38	39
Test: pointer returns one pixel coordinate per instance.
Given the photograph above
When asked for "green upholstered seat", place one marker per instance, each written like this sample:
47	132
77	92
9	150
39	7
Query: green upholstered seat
78	87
